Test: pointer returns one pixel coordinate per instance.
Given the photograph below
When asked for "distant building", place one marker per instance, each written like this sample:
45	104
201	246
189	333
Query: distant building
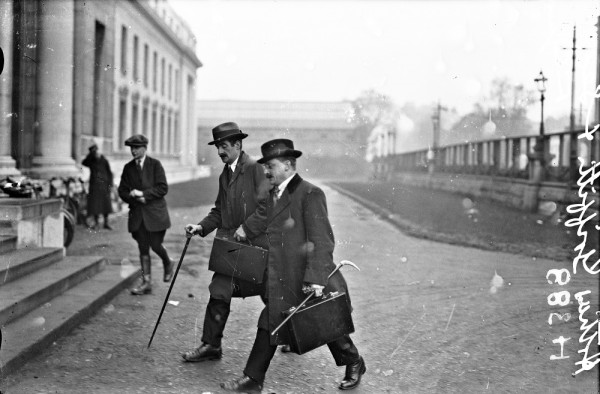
321	130
95	71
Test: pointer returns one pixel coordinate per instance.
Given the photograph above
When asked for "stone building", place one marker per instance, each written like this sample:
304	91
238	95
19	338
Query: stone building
101	71
321	130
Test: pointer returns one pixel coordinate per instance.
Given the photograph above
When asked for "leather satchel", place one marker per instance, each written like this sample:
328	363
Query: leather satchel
239	260
319	321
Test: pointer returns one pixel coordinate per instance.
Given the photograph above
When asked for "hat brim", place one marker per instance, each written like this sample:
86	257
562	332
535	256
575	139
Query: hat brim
135	144
287	153
239	136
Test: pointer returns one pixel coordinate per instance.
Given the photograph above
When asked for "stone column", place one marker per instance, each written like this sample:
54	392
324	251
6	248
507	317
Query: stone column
7	163
54	113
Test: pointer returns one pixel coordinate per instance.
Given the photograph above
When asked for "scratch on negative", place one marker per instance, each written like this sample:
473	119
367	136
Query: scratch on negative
447	324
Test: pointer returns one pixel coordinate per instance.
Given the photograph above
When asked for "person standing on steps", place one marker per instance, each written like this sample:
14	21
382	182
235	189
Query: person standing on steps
143	186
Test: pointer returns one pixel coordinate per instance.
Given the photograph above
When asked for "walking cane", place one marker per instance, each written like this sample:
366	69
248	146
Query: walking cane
337	268
187	242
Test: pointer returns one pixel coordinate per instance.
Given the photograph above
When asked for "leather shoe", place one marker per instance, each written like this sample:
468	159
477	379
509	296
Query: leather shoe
244	384
354	372
203	353
286	349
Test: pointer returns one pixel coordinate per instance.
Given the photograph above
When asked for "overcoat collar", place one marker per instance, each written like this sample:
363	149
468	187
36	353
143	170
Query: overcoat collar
284	201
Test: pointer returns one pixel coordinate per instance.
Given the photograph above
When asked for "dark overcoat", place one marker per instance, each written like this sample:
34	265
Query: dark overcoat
237	200
301	244
153	183
100	187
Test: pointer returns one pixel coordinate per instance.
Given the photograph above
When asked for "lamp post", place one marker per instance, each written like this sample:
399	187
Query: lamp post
537	158
541	86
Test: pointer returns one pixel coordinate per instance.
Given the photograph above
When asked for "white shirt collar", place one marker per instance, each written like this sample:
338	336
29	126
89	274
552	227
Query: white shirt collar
234	164
283	185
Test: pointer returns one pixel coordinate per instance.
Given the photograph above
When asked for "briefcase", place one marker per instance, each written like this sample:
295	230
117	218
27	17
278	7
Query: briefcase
240	260
319	321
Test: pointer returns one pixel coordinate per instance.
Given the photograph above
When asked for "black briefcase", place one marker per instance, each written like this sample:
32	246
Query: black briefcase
240	260
319	321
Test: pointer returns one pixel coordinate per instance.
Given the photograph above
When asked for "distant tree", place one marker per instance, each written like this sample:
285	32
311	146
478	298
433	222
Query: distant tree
369	109
507	109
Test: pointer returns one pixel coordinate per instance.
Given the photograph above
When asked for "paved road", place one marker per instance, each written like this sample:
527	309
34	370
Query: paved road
426	314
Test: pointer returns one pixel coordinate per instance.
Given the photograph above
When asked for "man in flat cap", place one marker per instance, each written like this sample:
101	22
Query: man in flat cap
300	261
143	186
242	186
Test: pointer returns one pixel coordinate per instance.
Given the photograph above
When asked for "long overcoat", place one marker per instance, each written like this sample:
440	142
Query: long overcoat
101	182
237	200
301	244
153	183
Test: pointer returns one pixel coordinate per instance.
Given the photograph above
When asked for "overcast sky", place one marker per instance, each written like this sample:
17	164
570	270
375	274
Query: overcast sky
418	51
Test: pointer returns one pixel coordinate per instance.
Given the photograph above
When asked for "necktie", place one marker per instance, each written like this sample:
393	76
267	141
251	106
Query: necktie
275	195
138	164
229	174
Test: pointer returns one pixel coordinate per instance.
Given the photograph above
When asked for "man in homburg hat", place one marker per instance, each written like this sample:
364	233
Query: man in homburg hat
300	260
242	185
143	186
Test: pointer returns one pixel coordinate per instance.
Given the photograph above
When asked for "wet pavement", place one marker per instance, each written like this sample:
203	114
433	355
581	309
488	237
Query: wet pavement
429	317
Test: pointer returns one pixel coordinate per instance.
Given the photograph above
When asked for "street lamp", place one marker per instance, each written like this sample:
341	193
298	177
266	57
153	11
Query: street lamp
541	86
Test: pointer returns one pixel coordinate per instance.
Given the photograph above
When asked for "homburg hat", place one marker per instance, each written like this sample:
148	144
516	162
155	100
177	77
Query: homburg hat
278	148
137	140
225	131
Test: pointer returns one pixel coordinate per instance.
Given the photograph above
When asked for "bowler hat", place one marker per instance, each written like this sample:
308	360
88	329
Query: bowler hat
224	131
278	148
137	140
93	147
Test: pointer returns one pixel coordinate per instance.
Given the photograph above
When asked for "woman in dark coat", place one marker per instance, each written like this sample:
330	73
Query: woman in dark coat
101	182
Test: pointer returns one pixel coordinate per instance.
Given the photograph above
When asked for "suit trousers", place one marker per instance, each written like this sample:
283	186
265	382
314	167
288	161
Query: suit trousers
343	351
222	288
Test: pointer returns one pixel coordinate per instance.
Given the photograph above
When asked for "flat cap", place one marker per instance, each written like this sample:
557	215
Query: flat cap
137	140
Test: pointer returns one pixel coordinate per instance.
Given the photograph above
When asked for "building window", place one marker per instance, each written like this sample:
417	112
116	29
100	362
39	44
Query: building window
170	80
154	71
169	135
176	86
153	138
145	120
176	132
122	120
161	131
99	97
162	77
135	58
124	50
134	118
146	65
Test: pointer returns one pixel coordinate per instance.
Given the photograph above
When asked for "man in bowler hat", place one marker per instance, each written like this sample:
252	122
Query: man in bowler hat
143	186
300	260
242	186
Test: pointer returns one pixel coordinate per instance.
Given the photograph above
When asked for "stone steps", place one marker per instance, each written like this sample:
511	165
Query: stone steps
43	294
32	333
18	263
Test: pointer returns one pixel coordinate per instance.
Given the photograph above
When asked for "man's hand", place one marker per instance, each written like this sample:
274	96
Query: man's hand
141	199
309	287
192	229
240	234
135	193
